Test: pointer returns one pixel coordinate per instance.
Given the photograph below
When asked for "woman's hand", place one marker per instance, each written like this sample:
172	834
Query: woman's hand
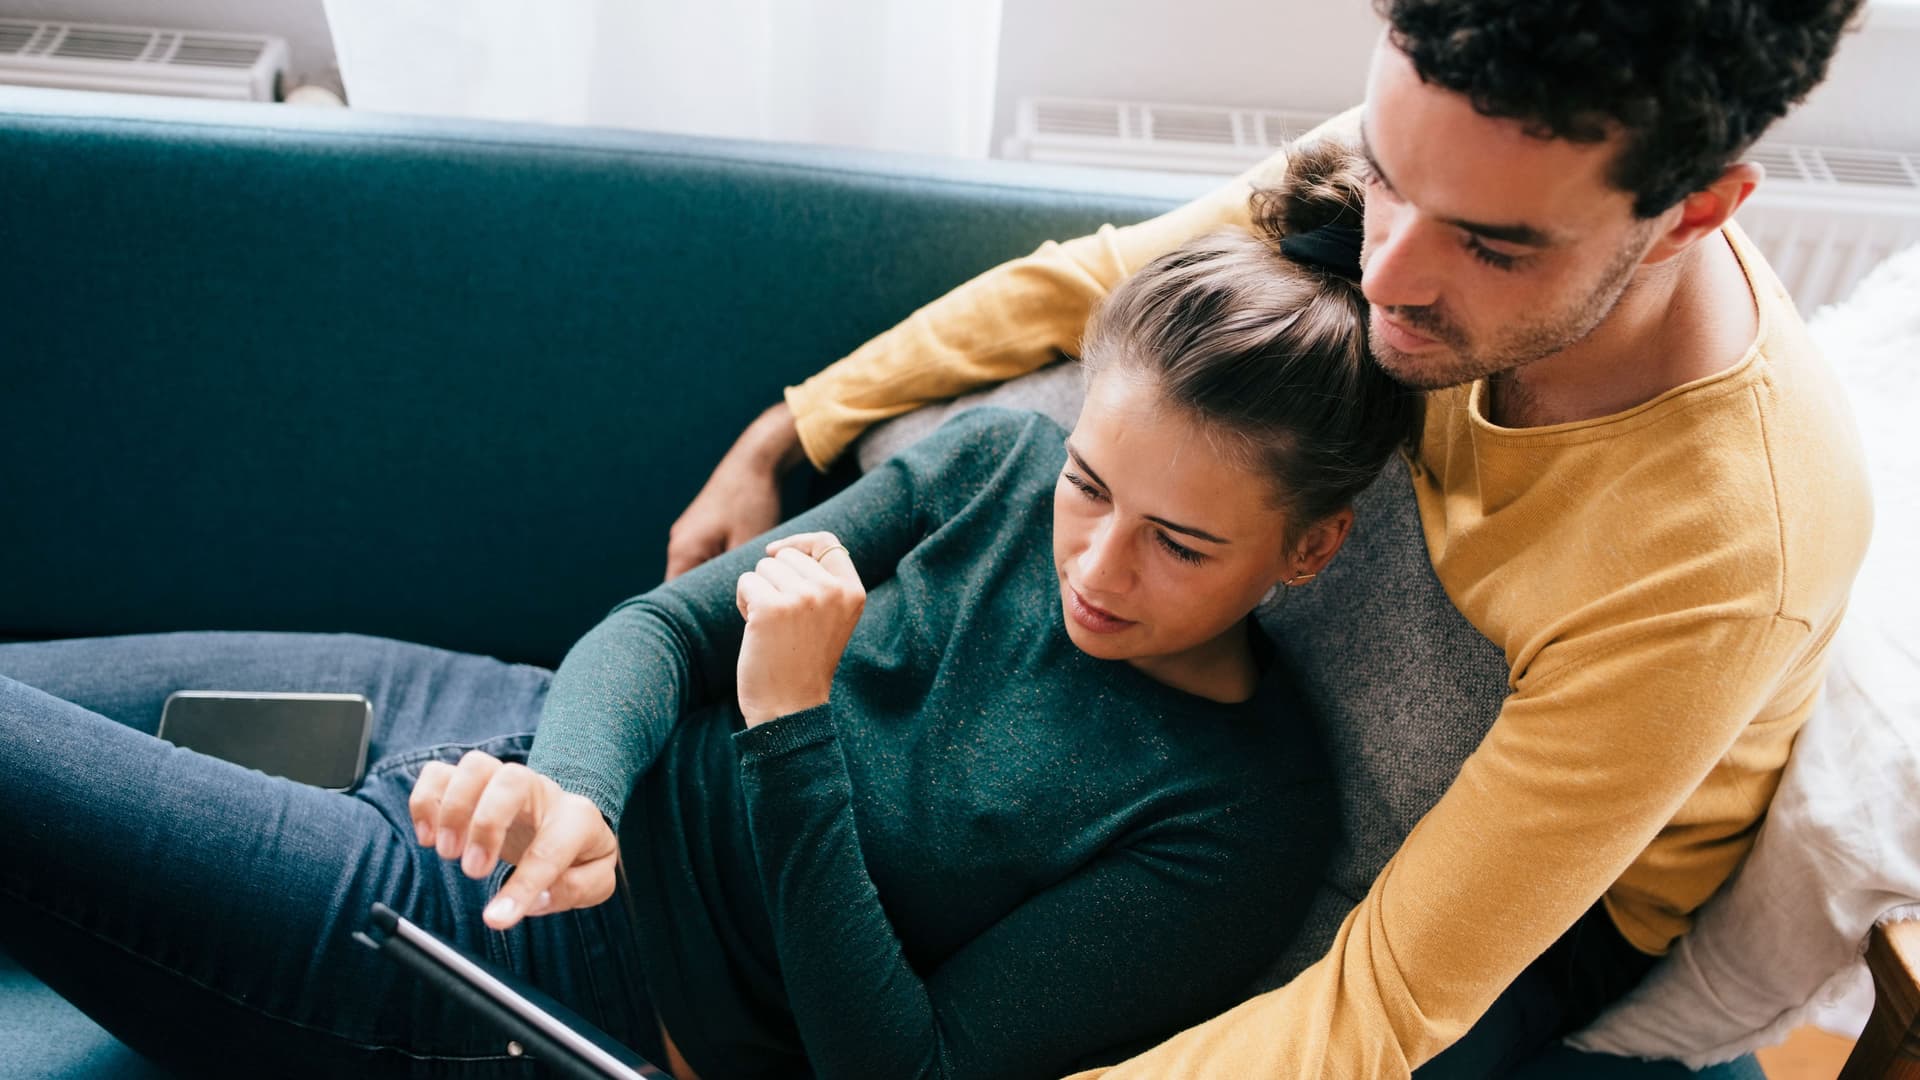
485	812
801	604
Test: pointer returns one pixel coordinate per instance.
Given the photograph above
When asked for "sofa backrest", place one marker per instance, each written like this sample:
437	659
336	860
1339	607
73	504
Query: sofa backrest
272	368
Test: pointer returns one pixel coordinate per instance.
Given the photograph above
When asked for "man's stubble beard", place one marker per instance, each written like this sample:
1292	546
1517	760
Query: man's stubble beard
1525	344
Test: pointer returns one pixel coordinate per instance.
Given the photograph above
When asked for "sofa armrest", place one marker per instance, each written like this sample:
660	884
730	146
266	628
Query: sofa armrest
1890	1046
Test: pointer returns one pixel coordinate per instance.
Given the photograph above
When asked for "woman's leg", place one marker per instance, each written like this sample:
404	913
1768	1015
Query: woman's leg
422	697
204	913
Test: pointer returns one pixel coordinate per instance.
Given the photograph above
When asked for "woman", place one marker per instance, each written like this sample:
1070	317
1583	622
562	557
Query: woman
1036	798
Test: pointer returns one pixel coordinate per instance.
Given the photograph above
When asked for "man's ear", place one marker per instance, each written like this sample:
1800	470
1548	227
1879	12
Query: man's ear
1321	543
1702	213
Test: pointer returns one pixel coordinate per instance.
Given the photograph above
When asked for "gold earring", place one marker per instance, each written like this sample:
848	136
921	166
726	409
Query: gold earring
1299	579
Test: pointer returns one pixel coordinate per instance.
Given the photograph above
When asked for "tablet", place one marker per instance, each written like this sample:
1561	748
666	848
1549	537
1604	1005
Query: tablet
546	1029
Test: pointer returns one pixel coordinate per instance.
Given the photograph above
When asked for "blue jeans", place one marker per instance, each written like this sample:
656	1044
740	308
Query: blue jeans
203	913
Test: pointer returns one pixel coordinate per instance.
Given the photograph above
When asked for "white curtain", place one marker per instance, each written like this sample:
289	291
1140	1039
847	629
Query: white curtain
890	74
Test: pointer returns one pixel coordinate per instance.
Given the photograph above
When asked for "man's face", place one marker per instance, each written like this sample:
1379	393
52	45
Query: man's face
1486	248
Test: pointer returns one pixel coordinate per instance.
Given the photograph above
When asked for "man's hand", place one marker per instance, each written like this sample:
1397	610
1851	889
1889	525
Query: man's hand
741	499
801	604
485	812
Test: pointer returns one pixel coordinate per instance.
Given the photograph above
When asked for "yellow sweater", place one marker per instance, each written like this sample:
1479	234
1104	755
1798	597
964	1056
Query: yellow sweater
1664	583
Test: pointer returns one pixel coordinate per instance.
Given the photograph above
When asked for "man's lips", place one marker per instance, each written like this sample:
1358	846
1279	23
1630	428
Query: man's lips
1097	619
1400	336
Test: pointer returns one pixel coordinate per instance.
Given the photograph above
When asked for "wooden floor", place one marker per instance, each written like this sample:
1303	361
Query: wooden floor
1808	1054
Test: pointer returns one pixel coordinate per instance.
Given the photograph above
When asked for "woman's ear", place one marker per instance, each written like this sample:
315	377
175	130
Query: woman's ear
1321	543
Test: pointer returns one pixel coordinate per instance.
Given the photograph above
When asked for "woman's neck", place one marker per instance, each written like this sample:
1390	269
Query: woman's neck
1221	670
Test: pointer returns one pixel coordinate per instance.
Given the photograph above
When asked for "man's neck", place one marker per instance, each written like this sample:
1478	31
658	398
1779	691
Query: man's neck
1678	321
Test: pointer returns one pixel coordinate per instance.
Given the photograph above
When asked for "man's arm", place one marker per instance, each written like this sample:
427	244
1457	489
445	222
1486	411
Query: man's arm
1589	760
1012	319
741	499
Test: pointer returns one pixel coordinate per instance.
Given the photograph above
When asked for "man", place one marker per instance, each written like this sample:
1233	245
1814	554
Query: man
1637	479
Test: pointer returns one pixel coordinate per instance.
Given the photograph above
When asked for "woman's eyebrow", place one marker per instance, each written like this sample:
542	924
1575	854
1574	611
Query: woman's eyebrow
1084	467
1185	530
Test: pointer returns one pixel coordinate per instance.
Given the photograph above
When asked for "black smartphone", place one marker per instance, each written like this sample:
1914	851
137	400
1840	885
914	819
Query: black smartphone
317	739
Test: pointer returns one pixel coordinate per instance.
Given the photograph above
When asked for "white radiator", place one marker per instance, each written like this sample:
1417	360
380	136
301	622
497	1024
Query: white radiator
141	60
1824	217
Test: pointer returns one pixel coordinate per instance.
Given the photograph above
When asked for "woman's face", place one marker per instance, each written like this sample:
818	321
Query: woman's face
1162	543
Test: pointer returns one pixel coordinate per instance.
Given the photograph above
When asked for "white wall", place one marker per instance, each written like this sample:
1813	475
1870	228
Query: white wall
1871	96
1297	54
301	22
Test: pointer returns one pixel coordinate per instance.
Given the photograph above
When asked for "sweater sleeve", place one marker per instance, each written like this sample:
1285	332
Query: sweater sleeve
1589	759
1012	319
618	693
1149	929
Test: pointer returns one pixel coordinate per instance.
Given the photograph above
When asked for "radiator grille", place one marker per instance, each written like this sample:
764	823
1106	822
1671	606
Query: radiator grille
217	52
141	60
77	44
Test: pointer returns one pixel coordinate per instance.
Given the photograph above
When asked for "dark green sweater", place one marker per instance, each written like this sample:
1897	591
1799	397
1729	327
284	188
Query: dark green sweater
989	854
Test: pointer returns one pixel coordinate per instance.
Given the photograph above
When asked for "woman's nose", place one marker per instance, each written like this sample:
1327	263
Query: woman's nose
1103	563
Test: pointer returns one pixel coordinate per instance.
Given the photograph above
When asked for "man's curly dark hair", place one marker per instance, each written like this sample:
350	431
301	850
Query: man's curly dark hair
1691	83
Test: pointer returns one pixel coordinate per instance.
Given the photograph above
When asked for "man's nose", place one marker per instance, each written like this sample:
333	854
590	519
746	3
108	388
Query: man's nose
1404	260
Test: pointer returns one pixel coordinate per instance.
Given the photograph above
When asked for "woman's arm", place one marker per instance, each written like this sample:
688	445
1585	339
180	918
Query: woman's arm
1146	937
623	686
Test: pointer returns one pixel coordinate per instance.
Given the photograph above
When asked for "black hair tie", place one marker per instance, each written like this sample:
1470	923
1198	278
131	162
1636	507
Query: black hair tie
1334	248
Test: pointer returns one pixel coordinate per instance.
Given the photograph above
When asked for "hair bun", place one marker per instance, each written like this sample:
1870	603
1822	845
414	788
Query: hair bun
1324	185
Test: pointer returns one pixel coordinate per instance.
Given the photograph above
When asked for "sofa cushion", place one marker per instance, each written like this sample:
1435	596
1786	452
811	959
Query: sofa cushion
43	1036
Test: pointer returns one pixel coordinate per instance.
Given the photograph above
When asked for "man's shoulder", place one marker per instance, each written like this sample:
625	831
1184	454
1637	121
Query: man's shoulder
1760	492
1817	468
1743	494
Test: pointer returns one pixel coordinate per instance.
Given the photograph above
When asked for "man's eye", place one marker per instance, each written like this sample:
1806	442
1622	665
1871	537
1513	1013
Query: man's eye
1499	260
1376	184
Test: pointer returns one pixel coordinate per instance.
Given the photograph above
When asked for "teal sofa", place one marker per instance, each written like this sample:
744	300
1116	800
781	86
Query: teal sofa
450	382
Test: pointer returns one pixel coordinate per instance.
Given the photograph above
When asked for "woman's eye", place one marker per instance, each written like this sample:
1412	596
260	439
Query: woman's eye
1179	551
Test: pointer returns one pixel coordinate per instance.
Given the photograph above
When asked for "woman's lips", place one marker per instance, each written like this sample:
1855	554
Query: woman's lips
1401	338
1095	619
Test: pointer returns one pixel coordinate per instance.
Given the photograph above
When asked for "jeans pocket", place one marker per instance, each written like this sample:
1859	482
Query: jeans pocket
514	747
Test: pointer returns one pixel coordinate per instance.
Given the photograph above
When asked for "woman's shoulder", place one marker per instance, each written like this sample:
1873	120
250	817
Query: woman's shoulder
984	449
990	434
